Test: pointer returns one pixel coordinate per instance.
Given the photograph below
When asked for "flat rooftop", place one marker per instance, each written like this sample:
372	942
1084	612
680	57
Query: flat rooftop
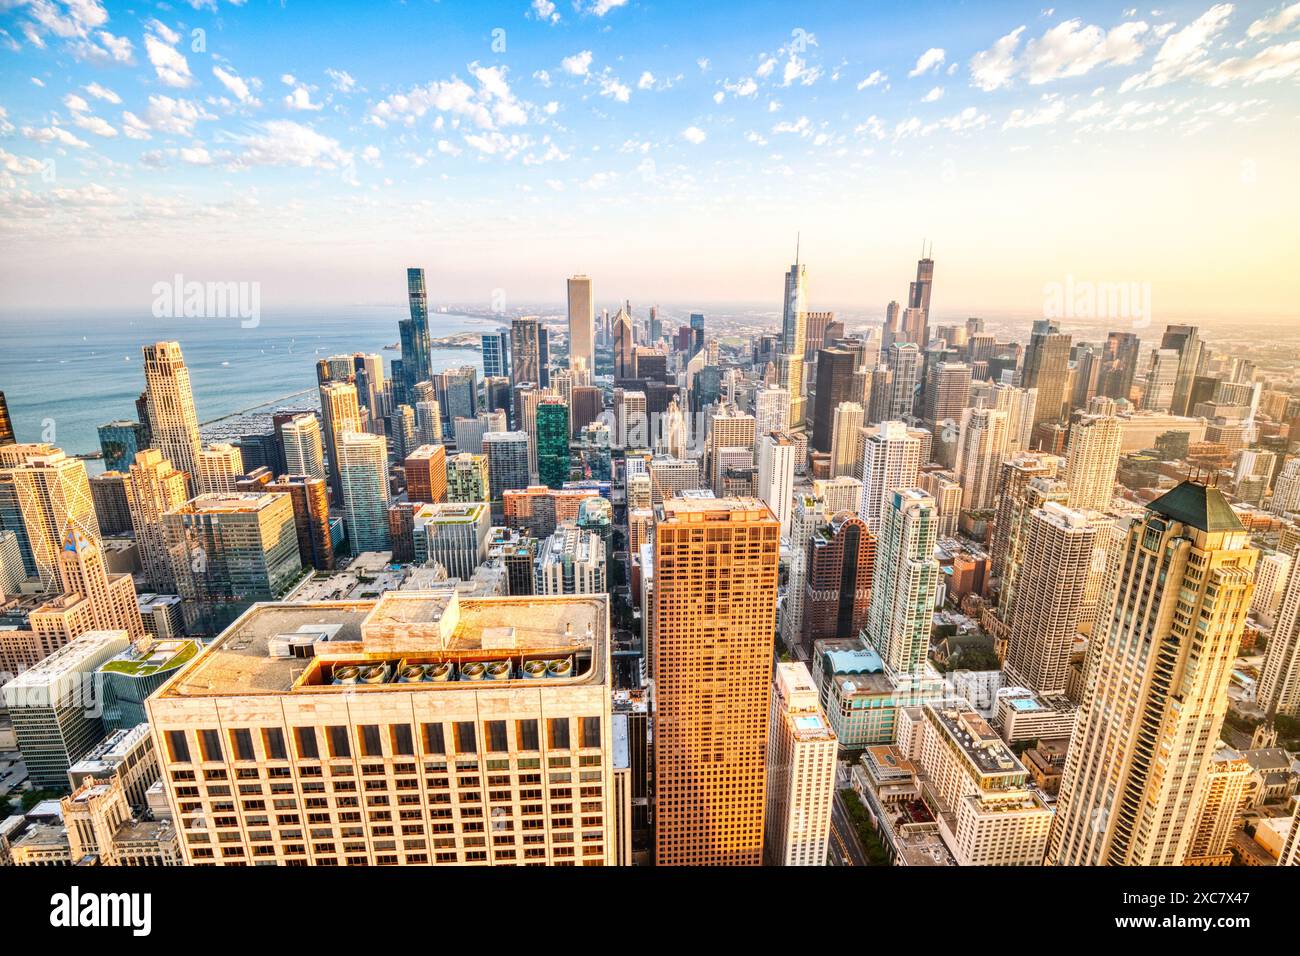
427	626
977	740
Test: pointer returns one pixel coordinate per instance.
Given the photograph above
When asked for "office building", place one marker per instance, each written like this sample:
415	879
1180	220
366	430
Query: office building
229	551
1154	706
120	441
582	324
248	701
1092	461
173	423
776	461
56	708
311	518
835	385
426	474
153	488
52	490
467	478
571	561
507	458
92	599
363	477
906	582
981	449
553	465
800	771
340	415
452	535
714	610
219	467
1047	368
304	452
891	459
1279	681
837	584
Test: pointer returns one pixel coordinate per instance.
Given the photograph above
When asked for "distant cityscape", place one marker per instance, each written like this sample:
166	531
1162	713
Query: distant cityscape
630	591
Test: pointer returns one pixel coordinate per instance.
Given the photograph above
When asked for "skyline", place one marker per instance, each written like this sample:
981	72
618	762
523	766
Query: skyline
637	143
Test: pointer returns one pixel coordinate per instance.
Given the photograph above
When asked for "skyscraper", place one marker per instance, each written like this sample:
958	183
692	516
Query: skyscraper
1162	381
891	458
173	424
1047	368
1158	672
582	324
848	419
1279	681
981	449
624	346
220	465
507	459
1050	590
6	423
426	474
918	297
496	354
467	478
904	360
528	353
414	337
153	488
553	466
341	414
1119	363
714	609
1092	461
304	452
776	475
906	582
230	551
311	518
92	599
835	385
800	771
120	440
51	491
841	565
363	474
1186	341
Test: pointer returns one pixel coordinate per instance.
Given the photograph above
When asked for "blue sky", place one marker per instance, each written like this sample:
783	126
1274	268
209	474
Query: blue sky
671	150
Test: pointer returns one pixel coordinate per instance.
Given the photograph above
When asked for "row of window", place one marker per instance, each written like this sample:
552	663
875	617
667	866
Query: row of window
370	740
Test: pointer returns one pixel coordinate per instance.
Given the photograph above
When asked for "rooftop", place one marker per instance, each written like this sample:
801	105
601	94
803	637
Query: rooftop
1198	505
434	625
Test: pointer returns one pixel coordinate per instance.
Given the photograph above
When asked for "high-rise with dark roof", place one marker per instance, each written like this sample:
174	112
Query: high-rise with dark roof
1158	670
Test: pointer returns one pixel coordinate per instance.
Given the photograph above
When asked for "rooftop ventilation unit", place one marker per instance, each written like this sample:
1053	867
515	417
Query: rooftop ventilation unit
472	671
534	669
375	673
561	667
345	674
440	672
499	670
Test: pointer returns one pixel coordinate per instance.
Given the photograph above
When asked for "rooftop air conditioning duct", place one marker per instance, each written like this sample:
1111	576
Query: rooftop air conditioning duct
346	673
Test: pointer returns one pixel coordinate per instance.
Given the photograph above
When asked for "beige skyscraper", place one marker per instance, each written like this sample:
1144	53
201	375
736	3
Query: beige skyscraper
363	473
1227	782
714	609
1156	685
891	458
771	411
92	599
810	513
304	452
53	490
1279	682
981	449
801	752
154	487
382	756
1017	472
172	419
582	325
1053	579
849	417
906	583
776	475
1092	460
220	466
340	414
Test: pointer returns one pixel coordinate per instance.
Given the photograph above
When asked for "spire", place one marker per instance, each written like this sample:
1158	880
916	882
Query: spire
797	237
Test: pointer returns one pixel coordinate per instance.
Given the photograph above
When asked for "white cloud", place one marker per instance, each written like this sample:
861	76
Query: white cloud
236	85
286	143
1053	109
175	116
875	78
491	105
118	49
195	155
94	124
1280	22
300	99
693	134
934	95
1073	49
75	103
1273	63
796	70
742	88
172	67
102	93
601	7
545	10
1184	52
577	65
646	82
993	68
802	126
612	87
343	81
766	67
20	165
931	59
371	156
134	127
54	134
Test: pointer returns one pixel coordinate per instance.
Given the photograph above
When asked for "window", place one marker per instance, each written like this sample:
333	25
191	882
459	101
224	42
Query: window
590	731
403	742
496	736
273	743
557	731
210	743
433	739
526	732
178	746
369	736
242	740
338	740
305	740
465	742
